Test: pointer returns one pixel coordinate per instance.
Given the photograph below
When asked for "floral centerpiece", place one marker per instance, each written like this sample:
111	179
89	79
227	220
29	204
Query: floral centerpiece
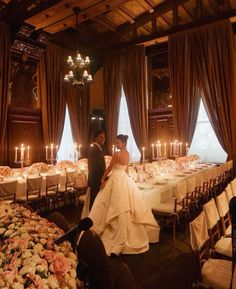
5	171
28	256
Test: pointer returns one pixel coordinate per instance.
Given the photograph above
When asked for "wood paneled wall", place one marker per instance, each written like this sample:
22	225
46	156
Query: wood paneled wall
25	127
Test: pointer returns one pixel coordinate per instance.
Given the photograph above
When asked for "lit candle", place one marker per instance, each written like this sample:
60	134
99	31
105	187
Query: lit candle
52	146
180	148
186	148
177	148
171	149
46	152
16	149
75	150
113	150
28	152
160	150
153	153
164	150
22	148
143	154
80	151
174	148
157	149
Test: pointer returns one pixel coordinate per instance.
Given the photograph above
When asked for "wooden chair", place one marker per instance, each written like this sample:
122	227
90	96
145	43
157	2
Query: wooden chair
34	185
223	209
52	183
8	191
216	273
222	246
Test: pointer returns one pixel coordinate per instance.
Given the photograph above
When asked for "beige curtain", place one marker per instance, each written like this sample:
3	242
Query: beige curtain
185	90
78	107
112	94
213	49
5	60
52	90
133	80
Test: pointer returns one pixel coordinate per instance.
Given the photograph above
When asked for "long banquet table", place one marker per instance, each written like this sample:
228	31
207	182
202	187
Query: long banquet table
158	190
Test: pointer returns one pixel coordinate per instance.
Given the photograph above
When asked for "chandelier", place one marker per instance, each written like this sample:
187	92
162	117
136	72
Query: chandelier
78	74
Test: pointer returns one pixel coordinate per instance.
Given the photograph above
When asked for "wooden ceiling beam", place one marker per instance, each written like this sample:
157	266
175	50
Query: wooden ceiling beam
145	5
175	29
124	14
85	14
187	10
141	20
214	6
106	23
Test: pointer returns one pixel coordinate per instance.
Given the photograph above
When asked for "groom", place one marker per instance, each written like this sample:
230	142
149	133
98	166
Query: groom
96	165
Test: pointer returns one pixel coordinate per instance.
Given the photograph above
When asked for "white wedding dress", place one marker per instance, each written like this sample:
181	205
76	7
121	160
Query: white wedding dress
120	216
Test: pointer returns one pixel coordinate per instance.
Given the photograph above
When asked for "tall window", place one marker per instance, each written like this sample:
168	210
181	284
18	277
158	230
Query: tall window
124	127
205	143
65	151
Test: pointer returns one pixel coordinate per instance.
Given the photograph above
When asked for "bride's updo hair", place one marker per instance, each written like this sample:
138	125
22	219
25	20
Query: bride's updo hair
123	138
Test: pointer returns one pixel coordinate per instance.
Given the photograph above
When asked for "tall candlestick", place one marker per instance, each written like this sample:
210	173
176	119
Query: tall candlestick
22	150
143	154
51	147
157	149
174	148
164	150
171	149
160	151
16	149
177	148
180	148
46	152
28	152
153	153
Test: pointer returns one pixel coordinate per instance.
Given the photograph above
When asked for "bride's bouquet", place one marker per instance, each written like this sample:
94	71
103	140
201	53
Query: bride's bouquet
28	256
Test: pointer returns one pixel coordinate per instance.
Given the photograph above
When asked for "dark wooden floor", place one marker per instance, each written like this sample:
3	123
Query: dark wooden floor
164	266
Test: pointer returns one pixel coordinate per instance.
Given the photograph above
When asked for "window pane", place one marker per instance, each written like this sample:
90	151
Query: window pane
125	128
65	151
205	143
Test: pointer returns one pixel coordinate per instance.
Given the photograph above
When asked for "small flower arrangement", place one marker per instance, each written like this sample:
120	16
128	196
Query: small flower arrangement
28	256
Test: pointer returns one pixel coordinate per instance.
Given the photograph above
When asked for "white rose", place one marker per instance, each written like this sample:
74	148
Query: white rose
17	286
43	241
38	248
2	230
8	233
26	254
27	269
52	282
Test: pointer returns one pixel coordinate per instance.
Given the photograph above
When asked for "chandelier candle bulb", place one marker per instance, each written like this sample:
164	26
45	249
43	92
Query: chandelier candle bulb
143	149
85	74
89	77
16	149
153	152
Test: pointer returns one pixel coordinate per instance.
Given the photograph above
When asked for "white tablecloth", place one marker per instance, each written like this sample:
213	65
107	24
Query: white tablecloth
154	194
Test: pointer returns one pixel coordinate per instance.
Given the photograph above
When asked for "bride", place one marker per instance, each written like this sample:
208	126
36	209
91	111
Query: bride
120	216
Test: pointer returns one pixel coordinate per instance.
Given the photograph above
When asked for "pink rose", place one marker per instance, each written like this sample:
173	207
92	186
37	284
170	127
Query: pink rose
61	264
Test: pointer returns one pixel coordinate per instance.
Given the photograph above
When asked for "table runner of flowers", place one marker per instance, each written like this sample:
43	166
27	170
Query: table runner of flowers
28	256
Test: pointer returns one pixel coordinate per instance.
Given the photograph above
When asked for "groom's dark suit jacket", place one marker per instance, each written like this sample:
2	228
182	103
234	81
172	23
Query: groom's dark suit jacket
96	169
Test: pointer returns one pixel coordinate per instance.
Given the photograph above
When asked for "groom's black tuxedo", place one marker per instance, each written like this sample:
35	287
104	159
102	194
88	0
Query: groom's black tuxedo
96	169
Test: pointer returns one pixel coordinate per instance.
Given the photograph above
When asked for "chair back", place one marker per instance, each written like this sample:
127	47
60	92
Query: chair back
70	177
34	183
228	192
233	186
198	232
222	204
52	180
80	181
211	213
8	190
90	250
